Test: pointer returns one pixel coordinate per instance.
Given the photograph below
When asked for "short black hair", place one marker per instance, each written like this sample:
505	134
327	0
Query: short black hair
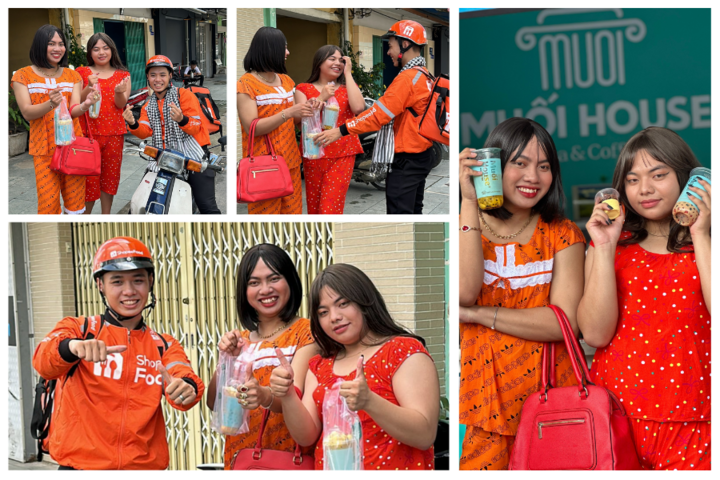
280	263
266	52
39	47
513	135
193	62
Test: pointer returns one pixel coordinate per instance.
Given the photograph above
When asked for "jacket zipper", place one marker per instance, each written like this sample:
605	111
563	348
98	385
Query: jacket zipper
75	150
555	423
124	409
262	171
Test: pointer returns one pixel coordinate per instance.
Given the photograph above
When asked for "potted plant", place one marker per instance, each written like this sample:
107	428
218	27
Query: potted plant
19	128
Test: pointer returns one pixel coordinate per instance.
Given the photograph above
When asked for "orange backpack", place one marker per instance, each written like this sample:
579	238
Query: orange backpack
211	114
435	120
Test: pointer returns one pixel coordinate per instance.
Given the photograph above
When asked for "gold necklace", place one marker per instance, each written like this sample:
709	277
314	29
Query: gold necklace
281	327
506	237
265	79
50	76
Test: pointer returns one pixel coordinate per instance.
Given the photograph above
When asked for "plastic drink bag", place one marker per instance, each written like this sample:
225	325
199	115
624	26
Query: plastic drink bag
94	111
331	112
229	418
685	212
64	128
312	126
342	433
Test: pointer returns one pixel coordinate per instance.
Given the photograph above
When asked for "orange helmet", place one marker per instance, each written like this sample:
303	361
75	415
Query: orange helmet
158	61
122	254
409	30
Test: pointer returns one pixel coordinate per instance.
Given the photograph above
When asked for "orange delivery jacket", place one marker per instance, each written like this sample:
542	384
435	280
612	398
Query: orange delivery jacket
410	90
191	124
108	415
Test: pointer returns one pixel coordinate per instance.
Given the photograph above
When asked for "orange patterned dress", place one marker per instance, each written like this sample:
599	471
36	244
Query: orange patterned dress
271	101
276	436
498	371
51	185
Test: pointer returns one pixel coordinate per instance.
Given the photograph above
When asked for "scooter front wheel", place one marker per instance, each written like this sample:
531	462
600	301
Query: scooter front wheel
380	185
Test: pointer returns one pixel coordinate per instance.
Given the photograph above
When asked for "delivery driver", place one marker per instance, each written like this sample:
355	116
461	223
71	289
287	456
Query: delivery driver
108	411
404	100
172	117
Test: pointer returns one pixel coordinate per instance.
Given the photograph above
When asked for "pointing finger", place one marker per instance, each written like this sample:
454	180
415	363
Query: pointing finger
284	362
116	349
360	373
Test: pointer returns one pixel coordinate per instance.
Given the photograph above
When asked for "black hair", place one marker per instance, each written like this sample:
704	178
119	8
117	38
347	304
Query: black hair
193	62
353	285
266	52
39	47
322	54
512	136
115	61
665	146
280	263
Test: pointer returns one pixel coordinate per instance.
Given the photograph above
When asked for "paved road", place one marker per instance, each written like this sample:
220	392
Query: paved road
15	465
23	194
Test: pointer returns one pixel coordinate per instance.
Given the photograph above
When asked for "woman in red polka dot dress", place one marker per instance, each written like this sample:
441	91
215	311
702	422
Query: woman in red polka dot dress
388	376
327	179
107	72
646	305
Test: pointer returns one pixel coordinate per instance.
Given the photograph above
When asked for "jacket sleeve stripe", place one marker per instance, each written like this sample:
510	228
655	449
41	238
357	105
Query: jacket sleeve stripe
172	364
417	76
385	109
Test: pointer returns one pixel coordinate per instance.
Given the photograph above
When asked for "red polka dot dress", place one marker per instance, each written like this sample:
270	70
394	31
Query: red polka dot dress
658	362
382	452
327	179
109	130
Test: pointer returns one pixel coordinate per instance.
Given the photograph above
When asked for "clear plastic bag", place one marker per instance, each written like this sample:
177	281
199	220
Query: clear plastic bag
94	111
331	112
229	418
342	433
312	126
64	128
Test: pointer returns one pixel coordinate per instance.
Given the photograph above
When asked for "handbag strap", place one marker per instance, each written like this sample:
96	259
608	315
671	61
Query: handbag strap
257	454
87	122
574	351
252	140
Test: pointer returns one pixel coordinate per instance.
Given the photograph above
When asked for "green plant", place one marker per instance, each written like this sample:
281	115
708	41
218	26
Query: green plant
444	409
77	56
370	83
17	122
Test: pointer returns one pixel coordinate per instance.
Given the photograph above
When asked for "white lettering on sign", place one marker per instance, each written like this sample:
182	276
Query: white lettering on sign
562	53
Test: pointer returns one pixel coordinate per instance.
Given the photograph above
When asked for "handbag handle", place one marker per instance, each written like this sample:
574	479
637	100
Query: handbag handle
252	141
574	351
257	453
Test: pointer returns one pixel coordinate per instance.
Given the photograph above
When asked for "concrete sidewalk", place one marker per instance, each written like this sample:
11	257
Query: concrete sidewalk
21	181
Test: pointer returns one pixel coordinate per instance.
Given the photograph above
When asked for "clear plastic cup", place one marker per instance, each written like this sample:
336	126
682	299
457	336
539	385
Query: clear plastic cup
488	187
685	211
611	197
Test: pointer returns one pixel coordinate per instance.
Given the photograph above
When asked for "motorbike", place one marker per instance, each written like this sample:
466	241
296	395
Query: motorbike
137	99
177	76
167	191
362	170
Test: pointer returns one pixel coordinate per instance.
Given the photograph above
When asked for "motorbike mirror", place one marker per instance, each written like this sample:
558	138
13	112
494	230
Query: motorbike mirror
142	145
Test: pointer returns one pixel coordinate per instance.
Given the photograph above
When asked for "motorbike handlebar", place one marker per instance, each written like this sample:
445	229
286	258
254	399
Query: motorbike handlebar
217	168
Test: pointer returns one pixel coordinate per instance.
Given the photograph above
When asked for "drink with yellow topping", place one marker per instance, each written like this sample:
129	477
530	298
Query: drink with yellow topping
489	186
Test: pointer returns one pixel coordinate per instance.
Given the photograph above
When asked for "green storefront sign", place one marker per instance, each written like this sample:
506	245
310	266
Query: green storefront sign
593	78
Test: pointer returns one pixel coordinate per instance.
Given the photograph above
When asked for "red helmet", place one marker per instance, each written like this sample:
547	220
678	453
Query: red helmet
409	30
158	61
122	254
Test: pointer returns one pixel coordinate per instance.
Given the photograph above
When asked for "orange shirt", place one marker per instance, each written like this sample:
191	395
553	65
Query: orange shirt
271	101
42	130
277	436
498	371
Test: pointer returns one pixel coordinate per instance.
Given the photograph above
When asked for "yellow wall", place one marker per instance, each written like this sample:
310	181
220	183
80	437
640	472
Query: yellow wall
22	25
82	21
303	38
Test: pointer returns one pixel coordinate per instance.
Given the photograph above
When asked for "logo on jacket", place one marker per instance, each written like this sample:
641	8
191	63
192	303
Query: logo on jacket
104	369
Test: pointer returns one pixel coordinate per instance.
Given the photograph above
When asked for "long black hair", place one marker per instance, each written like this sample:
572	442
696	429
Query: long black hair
115	61
280	263
353	285
266	52
39	47
322	54
666	147
512	136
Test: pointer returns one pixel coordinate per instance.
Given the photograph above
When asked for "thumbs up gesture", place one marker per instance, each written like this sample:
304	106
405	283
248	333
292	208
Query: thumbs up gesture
249	393
175	113
178	390
356	392
93	350
281	379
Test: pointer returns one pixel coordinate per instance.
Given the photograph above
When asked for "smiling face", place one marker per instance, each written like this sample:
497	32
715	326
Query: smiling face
101	53
651	187
527	179
55	50
126	292
340	318
158	78
394	50
267	291
333	66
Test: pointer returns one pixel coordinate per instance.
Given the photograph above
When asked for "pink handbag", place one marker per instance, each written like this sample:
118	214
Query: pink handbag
582	427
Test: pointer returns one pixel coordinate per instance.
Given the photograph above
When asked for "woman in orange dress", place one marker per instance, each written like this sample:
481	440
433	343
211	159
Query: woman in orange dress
268	93
269	294
39	89
516	260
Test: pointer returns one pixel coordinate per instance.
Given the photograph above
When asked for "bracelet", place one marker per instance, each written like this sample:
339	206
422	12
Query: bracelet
467	228
272	399
495	317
